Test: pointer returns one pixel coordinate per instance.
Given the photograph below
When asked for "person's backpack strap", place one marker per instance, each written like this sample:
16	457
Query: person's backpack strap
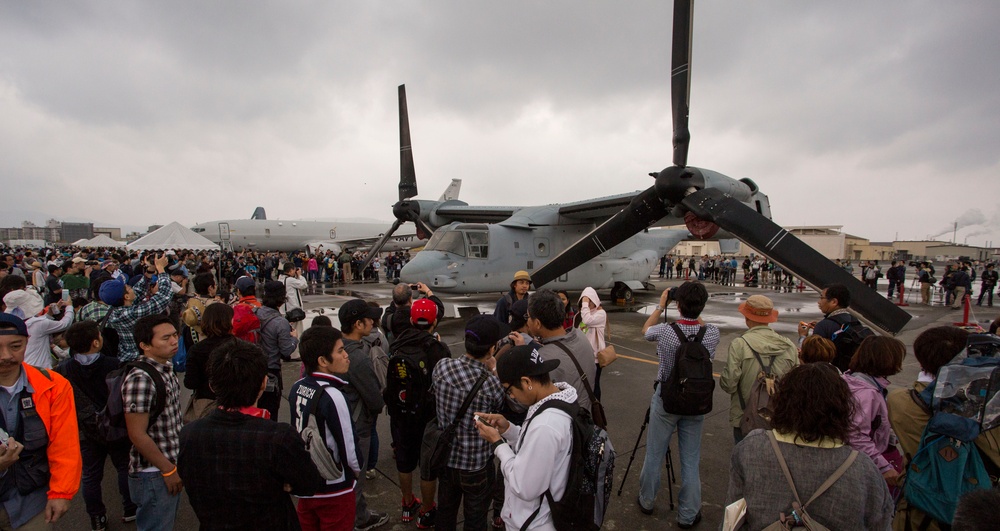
579	369
784	466
767	371
841	470
468	398
160	399
826	484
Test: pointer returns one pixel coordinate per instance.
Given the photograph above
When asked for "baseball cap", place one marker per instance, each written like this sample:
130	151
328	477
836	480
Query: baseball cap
24	303
521	361
485	330
423	310
19	327
79	260
244	285
112	292
356	309
518	313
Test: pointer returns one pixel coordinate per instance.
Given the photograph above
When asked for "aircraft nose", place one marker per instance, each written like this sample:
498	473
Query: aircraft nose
431	268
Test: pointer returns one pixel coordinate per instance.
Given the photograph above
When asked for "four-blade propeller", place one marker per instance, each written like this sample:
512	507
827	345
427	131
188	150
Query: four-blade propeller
681	188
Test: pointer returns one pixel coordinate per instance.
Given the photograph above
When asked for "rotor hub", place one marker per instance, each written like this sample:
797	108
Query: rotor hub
673	183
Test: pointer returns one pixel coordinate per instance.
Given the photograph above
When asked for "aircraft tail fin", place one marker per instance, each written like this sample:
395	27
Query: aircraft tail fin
258	213
452	191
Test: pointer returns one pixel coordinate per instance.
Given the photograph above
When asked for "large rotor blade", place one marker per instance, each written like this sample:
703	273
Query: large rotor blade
407	175
644	210
373	252
680	78
792	254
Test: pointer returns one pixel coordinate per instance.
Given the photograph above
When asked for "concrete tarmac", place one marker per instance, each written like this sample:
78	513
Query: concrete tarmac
627	389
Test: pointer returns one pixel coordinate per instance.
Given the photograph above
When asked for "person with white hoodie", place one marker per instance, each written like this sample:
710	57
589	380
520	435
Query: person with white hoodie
594	324
28	305
534	457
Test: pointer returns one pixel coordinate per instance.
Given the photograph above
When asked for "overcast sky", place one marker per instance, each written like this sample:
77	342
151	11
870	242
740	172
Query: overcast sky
883	117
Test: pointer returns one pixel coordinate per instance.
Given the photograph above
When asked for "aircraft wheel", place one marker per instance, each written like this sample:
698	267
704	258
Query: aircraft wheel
626	293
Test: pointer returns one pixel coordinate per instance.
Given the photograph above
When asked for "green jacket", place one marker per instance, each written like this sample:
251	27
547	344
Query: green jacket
742	368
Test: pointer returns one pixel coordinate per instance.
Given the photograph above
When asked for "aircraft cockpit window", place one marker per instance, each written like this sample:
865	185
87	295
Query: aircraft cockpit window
447	241
198	229
479	243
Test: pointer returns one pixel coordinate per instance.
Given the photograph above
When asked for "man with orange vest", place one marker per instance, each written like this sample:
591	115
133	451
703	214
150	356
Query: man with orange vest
40	463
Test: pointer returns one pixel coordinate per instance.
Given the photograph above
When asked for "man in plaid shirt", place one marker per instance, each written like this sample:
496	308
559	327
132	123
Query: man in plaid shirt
469	478
691	298
126	311
153	482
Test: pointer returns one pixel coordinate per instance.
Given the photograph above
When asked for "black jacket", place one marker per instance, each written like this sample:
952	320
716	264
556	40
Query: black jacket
234	468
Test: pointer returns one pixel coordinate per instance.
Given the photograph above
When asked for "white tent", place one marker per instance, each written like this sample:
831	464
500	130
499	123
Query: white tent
173	236
101	240
80	242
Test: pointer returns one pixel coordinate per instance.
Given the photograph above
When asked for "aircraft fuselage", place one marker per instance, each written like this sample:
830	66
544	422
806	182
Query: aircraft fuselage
476	258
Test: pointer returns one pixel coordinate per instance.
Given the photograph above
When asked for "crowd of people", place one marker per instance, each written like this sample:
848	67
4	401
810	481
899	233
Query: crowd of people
90	363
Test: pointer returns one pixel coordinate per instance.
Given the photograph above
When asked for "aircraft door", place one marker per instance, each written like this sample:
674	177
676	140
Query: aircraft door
224	232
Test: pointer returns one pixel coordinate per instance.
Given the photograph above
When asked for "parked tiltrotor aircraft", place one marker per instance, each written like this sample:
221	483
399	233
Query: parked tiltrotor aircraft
607	242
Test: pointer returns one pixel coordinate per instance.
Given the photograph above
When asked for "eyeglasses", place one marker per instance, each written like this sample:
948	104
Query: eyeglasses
508	390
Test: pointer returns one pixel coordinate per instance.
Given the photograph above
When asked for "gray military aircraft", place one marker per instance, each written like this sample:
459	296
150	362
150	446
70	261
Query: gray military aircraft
262	234
476	249
483	246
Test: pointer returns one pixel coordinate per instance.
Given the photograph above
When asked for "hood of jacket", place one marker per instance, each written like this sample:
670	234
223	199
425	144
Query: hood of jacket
591	294
411	339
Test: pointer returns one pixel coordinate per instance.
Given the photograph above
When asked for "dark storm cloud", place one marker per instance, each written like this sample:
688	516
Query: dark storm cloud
564	99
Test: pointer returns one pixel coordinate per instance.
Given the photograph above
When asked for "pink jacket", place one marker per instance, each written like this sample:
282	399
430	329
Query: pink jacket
870	429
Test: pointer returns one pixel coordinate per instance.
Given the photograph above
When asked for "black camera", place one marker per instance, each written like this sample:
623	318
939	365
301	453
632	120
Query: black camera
414	287
672	293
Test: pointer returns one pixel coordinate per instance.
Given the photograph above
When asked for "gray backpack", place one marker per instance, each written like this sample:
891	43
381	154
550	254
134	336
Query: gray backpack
798	518
757	407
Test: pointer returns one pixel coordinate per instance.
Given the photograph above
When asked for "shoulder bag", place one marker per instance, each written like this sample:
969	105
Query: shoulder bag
437	442
596	409
607	355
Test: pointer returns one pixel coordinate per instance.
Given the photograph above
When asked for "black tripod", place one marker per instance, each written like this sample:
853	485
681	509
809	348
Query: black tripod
670	464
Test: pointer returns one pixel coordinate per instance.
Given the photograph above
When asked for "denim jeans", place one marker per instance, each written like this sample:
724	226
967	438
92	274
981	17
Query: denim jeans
156	509
661	429
95	455
472	490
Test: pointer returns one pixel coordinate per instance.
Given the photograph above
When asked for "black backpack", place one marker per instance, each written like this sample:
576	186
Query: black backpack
109	335
847	340
691	384
111	418
408	384
591	474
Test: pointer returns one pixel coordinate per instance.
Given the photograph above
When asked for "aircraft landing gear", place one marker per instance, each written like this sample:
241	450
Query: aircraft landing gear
622	291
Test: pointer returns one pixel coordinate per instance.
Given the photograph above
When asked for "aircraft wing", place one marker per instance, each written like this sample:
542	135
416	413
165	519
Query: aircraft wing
475	214
599	208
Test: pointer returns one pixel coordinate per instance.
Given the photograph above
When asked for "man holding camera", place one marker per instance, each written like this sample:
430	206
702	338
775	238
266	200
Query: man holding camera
691	298
291	277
